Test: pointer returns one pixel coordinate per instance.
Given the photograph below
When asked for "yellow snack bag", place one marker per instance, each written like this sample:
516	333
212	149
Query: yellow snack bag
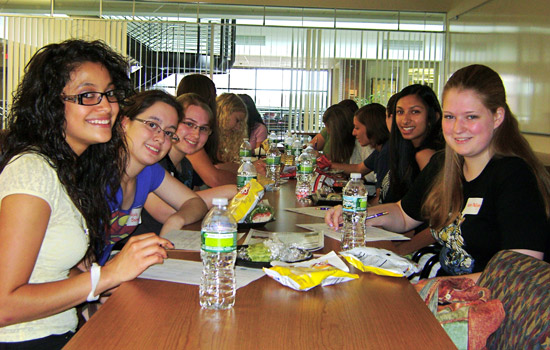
245	200
302	276
380	261
265	145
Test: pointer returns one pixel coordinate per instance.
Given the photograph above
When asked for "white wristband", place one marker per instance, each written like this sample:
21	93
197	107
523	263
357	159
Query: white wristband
95	273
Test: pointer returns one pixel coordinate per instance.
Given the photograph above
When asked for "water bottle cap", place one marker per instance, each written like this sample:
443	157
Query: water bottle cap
219	201
355	175
246	158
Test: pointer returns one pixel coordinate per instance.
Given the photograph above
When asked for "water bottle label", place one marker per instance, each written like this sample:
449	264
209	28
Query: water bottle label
218	242
243	180
305	169
271	160
354	203
243	152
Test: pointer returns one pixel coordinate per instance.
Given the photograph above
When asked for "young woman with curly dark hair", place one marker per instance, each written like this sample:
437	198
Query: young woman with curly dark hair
61	152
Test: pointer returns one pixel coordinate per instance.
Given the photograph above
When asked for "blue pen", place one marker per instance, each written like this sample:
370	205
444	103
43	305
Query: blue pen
376	215
322	208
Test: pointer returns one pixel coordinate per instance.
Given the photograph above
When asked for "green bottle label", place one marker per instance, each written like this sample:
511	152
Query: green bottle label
243	180
354	203
243	152
273	160
219	242
305	169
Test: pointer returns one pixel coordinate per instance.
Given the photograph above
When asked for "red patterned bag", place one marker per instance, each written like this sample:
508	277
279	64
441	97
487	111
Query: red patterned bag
465	310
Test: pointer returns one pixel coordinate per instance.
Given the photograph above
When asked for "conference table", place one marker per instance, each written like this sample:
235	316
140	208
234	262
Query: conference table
372	312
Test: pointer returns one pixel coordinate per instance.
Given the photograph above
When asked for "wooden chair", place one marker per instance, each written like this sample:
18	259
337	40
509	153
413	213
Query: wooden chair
522	283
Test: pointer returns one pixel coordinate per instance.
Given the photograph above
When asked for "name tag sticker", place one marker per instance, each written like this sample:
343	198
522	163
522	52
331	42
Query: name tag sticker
135	216
472	206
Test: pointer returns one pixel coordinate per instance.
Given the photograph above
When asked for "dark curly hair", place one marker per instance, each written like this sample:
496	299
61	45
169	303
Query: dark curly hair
37	124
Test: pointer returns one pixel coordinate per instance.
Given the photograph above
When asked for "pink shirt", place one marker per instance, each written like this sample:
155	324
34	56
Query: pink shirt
259	134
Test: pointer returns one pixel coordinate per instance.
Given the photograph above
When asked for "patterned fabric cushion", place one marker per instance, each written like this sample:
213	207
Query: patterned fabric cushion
522	283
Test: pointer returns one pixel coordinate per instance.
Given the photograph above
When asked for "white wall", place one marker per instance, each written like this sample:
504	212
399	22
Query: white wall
511	37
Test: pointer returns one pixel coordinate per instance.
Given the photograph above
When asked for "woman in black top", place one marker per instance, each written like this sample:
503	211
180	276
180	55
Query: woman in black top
490	191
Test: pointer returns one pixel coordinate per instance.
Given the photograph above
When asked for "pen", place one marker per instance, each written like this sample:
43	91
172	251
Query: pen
322	208
376	215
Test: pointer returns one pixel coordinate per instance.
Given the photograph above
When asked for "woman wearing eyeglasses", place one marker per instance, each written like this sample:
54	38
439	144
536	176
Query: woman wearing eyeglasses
63	148
193	133
150	121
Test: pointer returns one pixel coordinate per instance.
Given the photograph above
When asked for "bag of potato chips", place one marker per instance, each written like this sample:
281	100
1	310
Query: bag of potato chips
380	261
245	200
303	276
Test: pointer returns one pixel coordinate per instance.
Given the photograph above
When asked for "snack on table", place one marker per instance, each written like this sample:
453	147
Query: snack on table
264	181
380	261
269	250
245	200
257	252
324	271
263	212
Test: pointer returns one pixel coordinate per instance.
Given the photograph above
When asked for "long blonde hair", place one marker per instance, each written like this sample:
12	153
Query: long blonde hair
227	104
445	200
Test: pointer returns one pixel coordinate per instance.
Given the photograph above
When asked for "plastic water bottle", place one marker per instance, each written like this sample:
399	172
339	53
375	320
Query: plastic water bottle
304	173
273	166
246	172
272	137
355	210
245	150
312	154
289	159
296	149
218	254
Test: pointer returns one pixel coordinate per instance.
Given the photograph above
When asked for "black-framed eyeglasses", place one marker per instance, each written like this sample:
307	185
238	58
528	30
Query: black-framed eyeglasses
154	127
93	98
203	129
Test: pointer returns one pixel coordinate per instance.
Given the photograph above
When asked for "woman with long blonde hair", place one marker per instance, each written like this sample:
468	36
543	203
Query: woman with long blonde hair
232	116
489	193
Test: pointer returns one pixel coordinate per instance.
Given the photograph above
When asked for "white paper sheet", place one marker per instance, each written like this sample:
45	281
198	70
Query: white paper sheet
306	240
188	240
189	272
373	233
311	211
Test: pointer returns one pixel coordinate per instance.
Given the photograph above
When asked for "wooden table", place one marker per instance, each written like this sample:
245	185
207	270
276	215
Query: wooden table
372	312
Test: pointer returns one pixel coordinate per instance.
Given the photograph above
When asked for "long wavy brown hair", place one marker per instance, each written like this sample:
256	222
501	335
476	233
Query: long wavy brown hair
445	200
230	141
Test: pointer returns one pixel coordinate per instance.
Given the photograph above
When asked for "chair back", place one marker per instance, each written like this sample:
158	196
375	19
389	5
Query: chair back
522	284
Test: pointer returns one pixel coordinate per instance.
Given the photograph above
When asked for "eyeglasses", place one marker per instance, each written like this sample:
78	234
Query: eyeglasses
94	98
204	129
154	127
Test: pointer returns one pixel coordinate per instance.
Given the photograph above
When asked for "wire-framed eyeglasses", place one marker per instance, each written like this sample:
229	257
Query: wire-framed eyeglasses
93	98
203	129
154	127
